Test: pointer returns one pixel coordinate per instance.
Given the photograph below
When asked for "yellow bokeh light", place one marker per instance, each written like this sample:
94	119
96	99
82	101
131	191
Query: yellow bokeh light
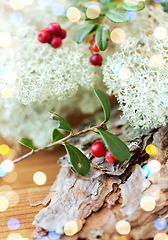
154	166
10	177
5	39
124	73
120	238
14	236
27	2
13	198
23	238
16	4
151	150
3	203
123	227
93	11
161	236
82	19
10	77
147	203
70	228
39	178
7	92
4	150
117	35
4	189
7	165
156	61
131	2
73	14
160	33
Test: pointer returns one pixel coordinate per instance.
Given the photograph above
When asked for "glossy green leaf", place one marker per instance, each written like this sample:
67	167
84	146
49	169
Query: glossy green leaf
104	102
138	7
103	7
56	135
78	160
82	33
26	142
117	147
64	124
102	37
116	15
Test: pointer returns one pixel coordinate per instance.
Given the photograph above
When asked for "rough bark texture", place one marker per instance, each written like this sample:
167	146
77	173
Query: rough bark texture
109	193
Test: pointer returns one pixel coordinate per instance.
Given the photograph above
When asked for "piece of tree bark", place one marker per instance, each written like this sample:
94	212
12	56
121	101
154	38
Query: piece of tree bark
109	193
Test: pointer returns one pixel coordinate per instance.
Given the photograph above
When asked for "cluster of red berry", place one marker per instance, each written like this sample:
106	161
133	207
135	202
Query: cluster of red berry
96	59
53	34
98	149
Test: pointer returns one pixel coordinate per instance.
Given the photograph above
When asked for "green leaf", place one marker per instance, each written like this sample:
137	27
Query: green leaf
117	147
56	135
138	7
103	7
116	15
82	33
63	123
102	36
78	160
104	102
26	142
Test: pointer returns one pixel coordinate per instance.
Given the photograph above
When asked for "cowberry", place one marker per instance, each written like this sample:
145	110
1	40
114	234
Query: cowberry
96	59
110	158
62	34
94	47
44	36
54	28
98	149
56	42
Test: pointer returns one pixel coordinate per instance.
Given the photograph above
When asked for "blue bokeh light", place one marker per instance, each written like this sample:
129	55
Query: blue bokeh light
2	173
13	224
45	3
166	5
164	100
159	1
53	234
57	9
160	224
16	18
146	172
42	238
116	67
130	15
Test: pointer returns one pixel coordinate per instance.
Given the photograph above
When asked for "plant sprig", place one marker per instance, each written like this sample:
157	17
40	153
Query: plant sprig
78	160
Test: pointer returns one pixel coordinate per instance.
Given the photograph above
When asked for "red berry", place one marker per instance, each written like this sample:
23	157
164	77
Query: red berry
56	42
46	29
96	59
62	34
54	28
110	158
98	149
44	36
94	47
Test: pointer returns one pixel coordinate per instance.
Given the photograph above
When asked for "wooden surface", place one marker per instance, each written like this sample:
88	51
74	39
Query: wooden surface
26	188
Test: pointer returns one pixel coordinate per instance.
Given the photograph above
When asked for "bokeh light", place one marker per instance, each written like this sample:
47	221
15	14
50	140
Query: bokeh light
45	3
164	100
7	165
10	177
117	35
147	203
13	224
116	67
16	4
93	11
82	18
161	236
154	166
131	2
27	2
10	77
160	33
14	236
4	150
39	178
73	14
7	92
166	5
151	150
53	234
160	224
16	18
123	227
145	171
3	203
4	189
5	39
3	70
57	9
13	198
156	61
159	1
124	73
2	173
70	228
130	15
120	238
42	238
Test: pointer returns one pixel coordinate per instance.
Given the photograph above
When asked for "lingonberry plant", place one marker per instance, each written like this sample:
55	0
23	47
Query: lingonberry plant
117	148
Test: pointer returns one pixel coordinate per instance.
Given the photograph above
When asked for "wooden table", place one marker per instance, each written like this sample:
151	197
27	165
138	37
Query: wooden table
25	187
